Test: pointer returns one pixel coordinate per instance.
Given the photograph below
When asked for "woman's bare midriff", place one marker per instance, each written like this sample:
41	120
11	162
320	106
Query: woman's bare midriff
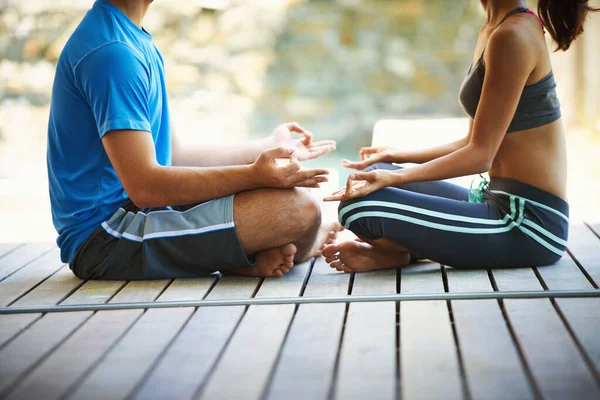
535	156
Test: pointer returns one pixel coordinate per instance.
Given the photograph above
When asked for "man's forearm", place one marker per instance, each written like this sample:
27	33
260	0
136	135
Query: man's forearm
219	155
163	186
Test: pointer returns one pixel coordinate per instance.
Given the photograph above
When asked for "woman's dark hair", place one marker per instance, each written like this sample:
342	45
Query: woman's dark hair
564	19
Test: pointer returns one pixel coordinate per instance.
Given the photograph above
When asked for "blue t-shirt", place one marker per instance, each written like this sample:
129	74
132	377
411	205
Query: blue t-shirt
109	76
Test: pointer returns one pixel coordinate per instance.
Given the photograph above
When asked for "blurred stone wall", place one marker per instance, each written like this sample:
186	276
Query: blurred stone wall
336	66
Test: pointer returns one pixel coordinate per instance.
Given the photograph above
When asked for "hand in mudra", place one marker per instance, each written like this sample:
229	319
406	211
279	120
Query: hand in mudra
269	173
370	156
360	184
304	147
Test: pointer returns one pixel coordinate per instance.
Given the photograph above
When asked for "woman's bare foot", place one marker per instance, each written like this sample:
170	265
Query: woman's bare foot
327	234
269	263
356	256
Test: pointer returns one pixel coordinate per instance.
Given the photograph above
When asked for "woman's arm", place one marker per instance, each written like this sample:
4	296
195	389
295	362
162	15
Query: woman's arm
509	61
373	155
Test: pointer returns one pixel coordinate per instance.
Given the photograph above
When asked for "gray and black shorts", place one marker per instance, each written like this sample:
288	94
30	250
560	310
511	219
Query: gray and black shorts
165	242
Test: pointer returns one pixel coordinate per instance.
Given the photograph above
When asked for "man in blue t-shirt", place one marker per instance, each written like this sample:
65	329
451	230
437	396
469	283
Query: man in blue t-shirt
129	202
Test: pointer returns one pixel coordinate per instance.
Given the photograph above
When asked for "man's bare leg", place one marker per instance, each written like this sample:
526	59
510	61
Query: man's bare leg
278	226
366	255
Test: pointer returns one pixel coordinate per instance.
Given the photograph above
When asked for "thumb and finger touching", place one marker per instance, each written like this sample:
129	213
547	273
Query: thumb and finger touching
277	152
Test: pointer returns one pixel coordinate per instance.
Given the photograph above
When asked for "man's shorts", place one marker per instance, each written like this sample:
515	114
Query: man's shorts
165	242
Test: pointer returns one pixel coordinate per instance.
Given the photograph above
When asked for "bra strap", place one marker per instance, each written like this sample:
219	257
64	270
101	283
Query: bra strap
511	13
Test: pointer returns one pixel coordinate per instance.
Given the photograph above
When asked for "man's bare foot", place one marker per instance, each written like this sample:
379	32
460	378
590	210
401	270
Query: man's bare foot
355	256
327	234
269	263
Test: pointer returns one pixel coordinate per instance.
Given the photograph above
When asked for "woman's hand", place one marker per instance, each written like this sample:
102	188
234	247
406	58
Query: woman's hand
268	173
304	148
360	184
370	156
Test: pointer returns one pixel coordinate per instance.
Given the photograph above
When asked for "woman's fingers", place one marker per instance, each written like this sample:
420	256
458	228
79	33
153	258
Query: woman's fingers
370	176
358	165
358	184
365	152
349	185
340	197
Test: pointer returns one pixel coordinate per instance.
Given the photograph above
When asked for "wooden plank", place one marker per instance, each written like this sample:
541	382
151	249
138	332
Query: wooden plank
26	278
584	319
188	289
94	292
139	291
422	277
305	369
375	282
22	256
29	347
234	287
187	363
429	366
595	228
564	275
12	325
490	359
585	246
194	352
53	377
368	362
52	290
325	279
307	361
6	248
126	364
288	285
249	357
554	360
468	280
581	314
558	368
508	279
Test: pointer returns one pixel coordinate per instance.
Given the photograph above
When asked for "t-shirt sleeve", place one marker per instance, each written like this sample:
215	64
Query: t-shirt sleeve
115	83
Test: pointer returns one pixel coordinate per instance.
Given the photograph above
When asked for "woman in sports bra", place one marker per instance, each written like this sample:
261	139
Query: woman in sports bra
520	218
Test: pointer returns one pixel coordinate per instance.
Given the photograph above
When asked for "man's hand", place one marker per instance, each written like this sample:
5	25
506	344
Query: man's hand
269	174
370	156
304	148
360	184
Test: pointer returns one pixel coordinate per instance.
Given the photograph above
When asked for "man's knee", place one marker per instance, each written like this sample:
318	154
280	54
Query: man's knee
307	211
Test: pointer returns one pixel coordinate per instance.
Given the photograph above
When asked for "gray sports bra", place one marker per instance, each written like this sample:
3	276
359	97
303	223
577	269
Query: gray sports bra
538	105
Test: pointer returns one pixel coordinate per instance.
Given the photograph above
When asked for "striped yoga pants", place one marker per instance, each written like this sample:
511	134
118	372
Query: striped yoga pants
517	225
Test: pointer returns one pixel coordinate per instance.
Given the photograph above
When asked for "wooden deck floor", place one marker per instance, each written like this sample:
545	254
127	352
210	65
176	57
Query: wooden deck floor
507	348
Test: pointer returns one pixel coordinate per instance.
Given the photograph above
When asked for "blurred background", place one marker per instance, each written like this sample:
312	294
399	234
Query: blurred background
237	68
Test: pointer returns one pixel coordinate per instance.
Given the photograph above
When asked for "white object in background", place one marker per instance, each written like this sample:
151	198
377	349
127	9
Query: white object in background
416	134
